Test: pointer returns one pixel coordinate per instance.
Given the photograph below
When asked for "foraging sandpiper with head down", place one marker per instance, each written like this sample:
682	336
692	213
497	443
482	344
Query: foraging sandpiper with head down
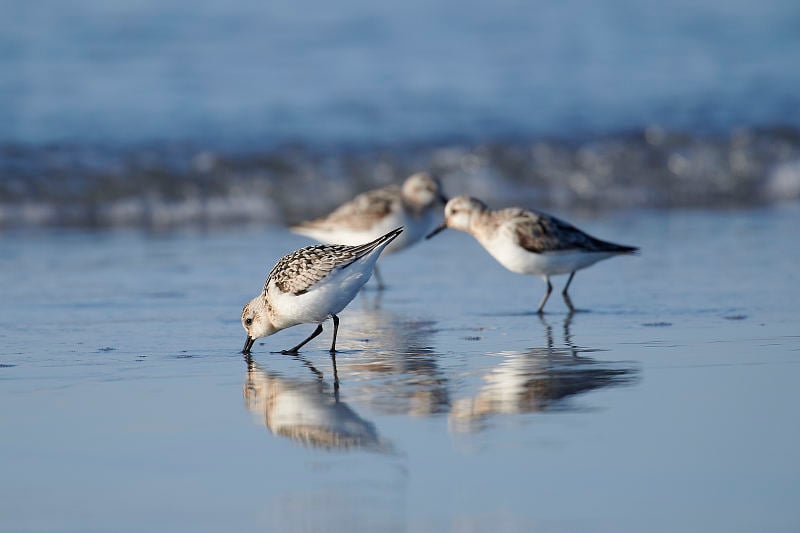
417	206
530	242
309	286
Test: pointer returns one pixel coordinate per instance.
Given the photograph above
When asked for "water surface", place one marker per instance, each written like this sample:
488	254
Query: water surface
668	404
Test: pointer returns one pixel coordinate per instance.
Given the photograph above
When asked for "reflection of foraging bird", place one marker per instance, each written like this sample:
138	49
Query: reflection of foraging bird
529	242
416	206
309	286
307	412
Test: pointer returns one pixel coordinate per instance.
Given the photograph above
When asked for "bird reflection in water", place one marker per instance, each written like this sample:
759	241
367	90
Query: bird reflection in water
536	380
398	348
307	411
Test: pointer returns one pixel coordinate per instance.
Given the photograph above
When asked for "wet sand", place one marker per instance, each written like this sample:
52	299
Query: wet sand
668	403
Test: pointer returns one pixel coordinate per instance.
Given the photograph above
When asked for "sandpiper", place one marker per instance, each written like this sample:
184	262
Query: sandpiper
529	242
416	206
309	286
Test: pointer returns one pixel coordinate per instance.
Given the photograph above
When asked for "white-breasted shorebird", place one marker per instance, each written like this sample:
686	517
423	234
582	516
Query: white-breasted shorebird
309	286
530	242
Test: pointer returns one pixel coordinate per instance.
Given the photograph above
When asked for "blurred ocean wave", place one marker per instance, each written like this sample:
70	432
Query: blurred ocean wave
165	185
145	112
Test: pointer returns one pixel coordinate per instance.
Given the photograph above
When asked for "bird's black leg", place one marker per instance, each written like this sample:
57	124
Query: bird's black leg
565	294
296	348
546	295
335	331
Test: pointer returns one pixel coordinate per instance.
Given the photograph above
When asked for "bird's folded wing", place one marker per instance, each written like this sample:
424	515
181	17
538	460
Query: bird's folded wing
363	211
540	233
298	271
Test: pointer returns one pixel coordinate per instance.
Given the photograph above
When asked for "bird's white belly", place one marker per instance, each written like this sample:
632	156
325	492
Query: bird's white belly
328	296
519	260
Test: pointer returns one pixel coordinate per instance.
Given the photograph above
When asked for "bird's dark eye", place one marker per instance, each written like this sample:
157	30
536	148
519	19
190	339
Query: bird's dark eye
248	321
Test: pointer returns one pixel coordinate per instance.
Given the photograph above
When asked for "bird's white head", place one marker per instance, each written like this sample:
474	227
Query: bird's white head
256	321
421	191
459	214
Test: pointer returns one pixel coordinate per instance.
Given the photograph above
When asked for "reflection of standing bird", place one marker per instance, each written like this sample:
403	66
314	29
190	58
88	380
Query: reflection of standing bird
416	206
529	242
533	381
309	286
536	380
307	412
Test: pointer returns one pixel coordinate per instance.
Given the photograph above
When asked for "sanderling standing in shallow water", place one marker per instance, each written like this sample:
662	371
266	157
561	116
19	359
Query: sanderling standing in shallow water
416	206
309	286
529	242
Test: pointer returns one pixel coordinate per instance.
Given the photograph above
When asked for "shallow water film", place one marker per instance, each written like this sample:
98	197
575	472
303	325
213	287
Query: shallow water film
668	402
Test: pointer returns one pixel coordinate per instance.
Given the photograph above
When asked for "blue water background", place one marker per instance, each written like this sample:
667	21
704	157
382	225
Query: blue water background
253	73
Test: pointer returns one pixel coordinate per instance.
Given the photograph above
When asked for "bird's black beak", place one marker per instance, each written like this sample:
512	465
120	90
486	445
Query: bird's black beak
248	343
437	230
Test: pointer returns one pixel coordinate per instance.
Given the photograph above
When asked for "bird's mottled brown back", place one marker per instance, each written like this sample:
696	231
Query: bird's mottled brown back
363	211
301	269
298	271
541	233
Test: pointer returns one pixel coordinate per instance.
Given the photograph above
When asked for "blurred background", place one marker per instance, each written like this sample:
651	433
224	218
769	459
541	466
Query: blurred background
161	113
202	127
